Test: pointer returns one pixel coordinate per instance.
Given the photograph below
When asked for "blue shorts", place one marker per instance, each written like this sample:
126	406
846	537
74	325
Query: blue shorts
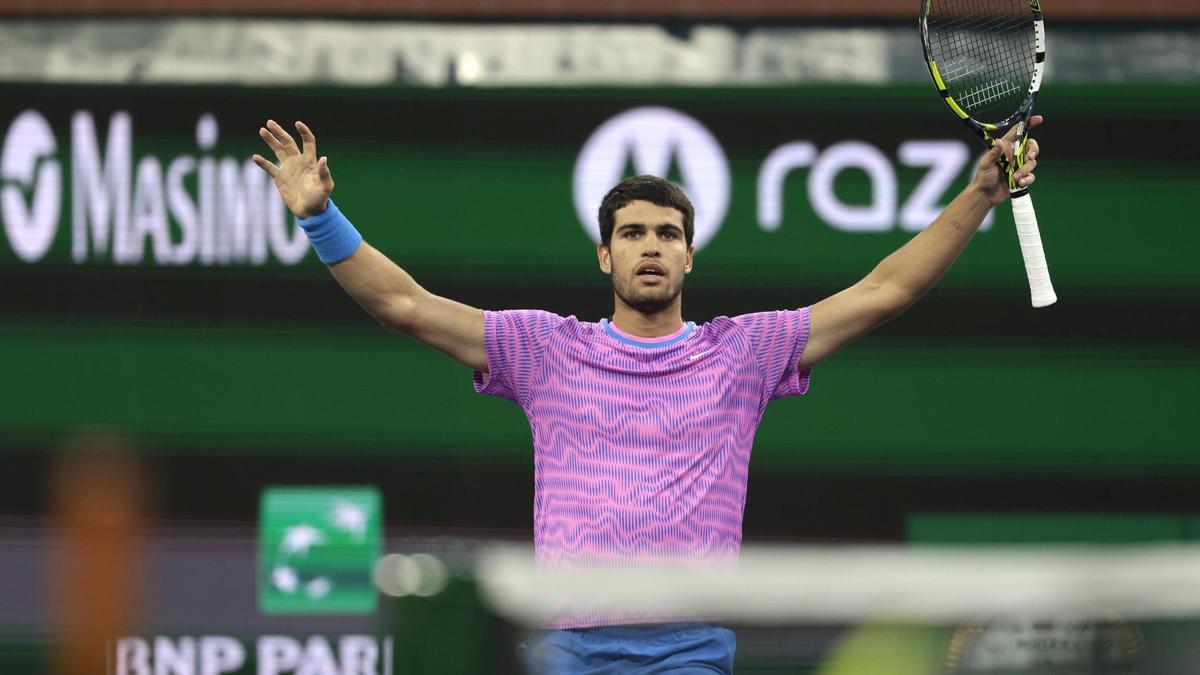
677	649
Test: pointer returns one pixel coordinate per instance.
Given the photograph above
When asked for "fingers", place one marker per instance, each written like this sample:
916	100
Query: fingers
310	141
1024	175
990	157
1024	178
270	140
1000	148
285	145
323	173
1010	136
265	165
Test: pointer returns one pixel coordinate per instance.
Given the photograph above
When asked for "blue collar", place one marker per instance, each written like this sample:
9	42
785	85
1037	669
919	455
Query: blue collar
611	330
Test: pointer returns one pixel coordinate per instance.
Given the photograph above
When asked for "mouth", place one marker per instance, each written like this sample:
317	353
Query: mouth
650	273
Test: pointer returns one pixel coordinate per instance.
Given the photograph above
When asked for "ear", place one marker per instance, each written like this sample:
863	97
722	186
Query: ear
687	268
605	258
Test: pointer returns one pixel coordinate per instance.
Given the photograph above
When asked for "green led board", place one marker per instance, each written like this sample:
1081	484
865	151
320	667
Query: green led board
154	284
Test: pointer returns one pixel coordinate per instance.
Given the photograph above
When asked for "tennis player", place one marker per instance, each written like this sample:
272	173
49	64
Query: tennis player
642	422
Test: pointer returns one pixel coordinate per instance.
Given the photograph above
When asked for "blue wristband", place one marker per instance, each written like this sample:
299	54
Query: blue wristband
331	234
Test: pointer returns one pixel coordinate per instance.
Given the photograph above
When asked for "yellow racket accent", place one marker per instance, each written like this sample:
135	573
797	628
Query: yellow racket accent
937	79
937	76
954	106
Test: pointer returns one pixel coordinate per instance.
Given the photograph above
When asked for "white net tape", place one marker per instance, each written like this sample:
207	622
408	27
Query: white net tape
851	584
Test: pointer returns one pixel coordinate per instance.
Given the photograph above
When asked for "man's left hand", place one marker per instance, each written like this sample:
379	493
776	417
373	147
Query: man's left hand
991	179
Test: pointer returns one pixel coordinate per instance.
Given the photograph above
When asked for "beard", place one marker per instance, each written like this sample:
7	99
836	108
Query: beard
647	300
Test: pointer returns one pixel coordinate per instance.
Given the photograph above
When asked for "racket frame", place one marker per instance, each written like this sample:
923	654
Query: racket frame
1041	289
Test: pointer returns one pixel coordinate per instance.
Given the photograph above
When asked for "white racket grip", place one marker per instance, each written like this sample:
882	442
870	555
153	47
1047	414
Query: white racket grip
1041	291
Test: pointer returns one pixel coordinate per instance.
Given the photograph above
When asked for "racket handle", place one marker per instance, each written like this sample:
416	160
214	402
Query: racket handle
1041	290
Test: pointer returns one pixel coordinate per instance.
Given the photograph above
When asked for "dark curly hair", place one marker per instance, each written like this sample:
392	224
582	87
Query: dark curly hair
646	188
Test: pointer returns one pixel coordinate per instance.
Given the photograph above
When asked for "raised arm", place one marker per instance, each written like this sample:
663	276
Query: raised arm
907	274
388	293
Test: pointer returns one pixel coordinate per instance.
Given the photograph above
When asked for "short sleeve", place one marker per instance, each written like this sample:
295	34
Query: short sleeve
514	341
777	340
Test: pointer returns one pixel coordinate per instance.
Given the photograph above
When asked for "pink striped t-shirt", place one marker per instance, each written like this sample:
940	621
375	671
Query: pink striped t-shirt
641	446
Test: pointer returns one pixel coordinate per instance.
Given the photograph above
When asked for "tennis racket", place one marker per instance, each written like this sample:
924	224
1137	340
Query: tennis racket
986	59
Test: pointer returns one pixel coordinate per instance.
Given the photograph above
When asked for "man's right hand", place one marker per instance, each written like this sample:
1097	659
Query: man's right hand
303	180
385	290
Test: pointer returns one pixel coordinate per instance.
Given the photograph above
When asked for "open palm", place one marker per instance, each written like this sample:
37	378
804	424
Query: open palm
302	179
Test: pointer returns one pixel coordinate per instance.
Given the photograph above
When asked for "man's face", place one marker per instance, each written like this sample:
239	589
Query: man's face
648	256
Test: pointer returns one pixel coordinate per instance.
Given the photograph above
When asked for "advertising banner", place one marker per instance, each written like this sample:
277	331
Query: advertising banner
157	285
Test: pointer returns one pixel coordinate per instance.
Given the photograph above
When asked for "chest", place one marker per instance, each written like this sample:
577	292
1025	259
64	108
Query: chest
693	386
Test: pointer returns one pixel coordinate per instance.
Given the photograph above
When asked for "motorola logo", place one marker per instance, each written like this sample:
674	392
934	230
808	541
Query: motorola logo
654	140
665	142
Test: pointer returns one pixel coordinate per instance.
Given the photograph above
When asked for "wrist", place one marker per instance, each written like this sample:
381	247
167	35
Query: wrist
980	196
309	215
332	235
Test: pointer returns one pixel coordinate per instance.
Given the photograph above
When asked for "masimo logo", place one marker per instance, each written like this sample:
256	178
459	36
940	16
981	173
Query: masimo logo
651	139
187	209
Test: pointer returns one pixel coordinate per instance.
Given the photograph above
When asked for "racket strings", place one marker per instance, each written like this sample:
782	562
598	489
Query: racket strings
984	95
985	53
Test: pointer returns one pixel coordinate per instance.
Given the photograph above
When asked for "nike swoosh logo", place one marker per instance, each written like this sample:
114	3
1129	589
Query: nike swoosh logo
697	355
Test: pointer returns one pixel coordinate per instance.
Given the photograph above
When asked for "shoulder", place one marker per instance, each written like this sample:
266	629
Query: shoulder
544	323
590	332
536	320
723	332
720	326
521	328
524	315
773	320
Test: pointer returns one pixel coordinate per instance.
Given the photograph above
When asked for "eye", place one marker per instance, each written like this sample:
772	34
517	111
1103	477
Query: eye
669	234
631	234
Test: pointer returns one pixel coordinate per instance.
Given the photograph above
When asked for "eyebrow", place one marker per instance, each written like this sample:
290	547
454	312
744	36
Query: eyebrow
660	226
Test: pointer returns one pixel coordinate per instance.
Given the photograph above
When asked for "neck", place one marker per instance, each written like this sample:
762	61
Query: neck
648	325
